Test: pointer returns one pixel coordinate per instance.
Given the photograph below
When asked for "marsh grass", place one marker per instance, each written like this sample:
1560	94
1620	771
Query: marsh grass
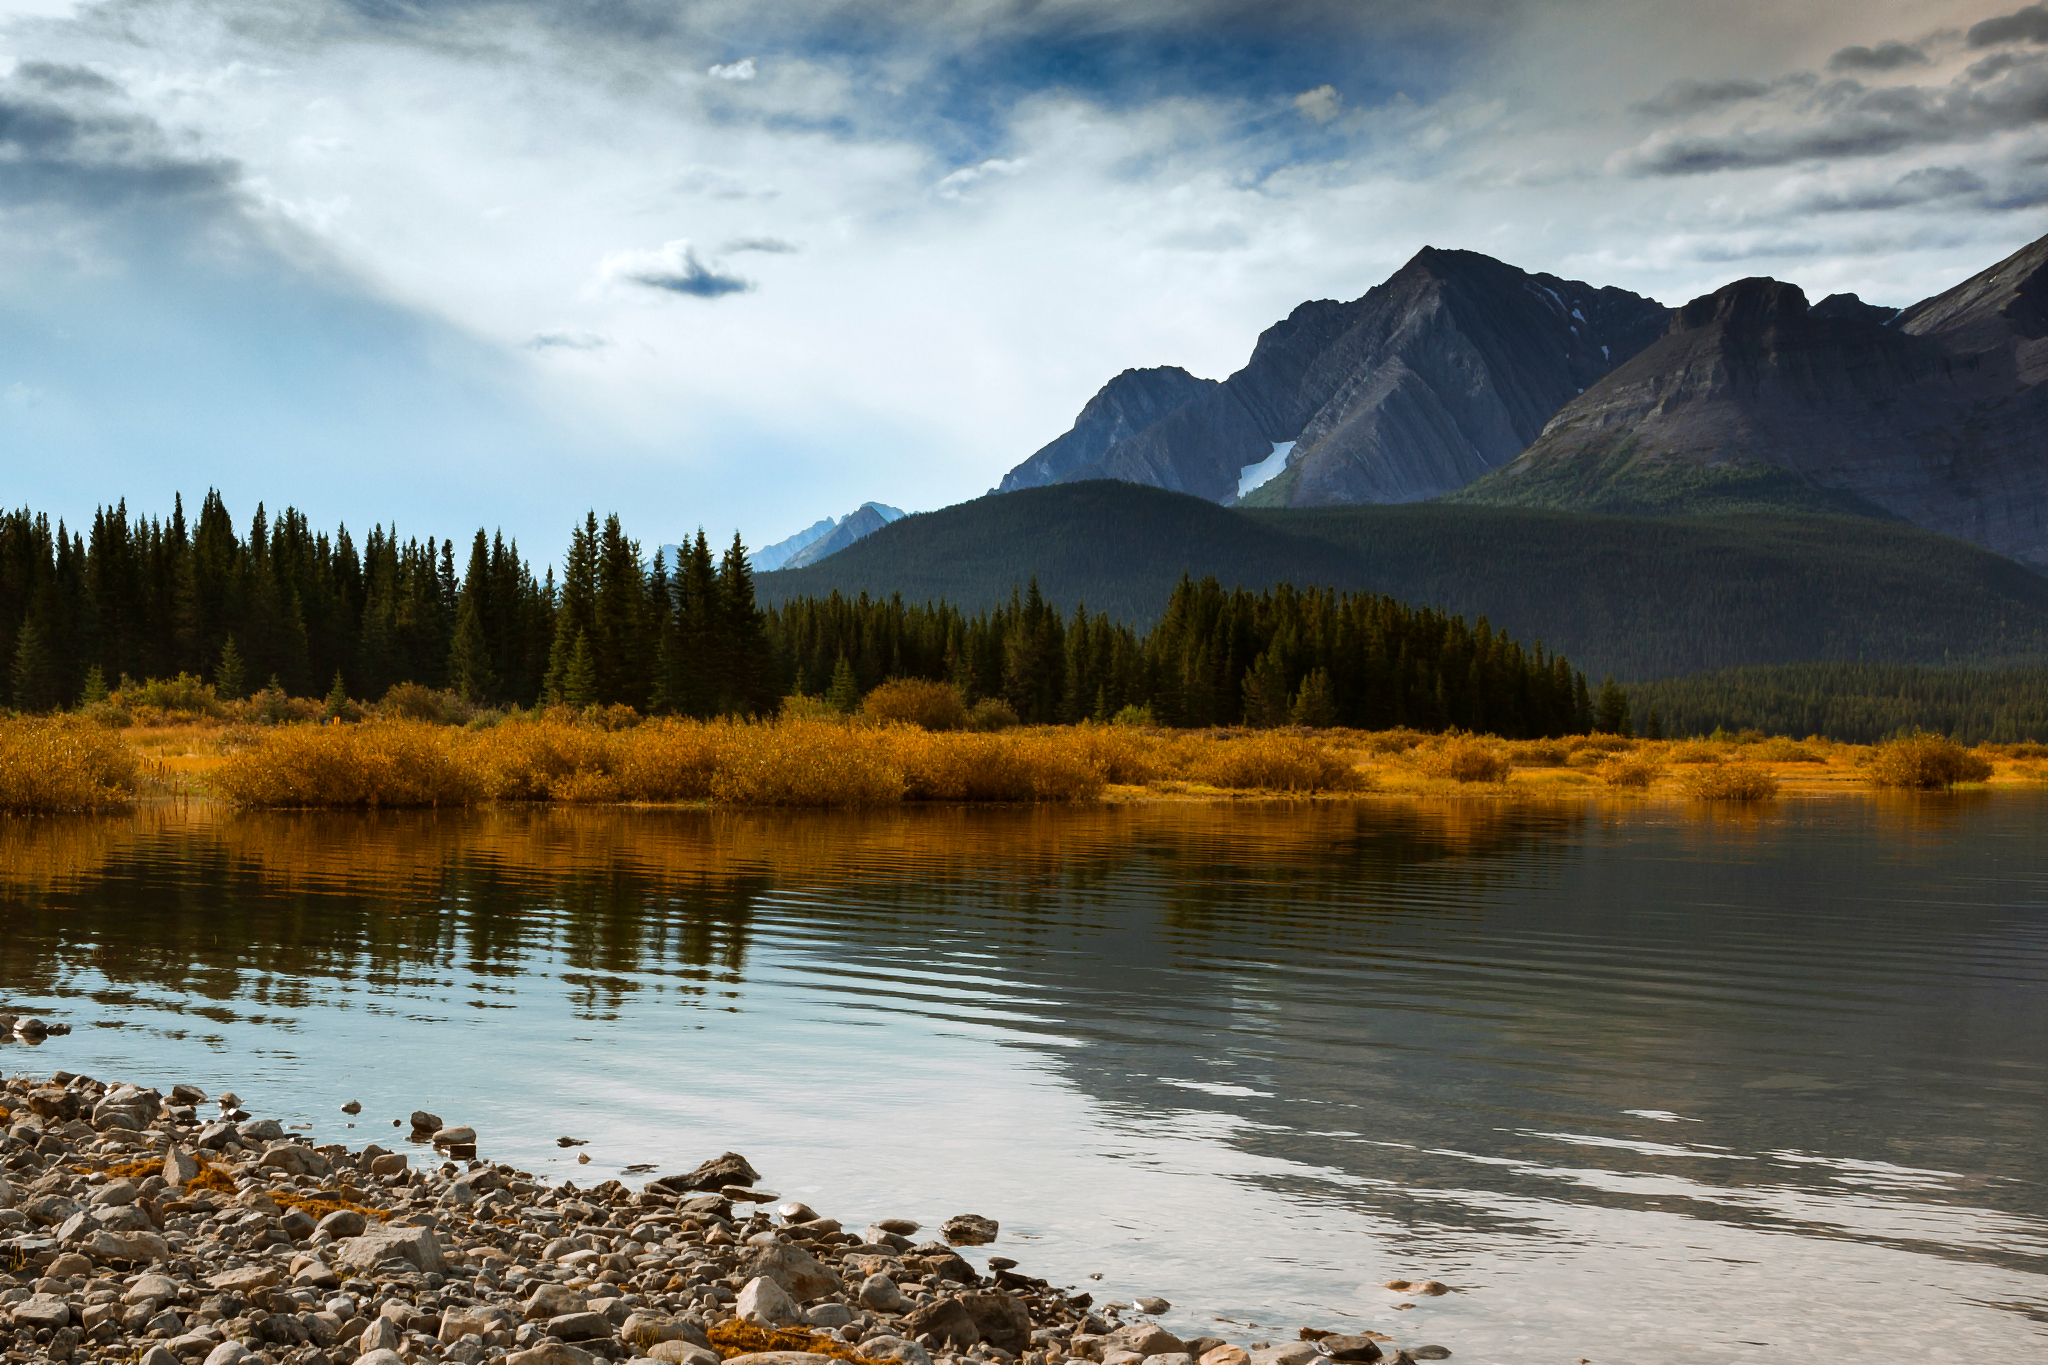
58	764
1730	782
796	760
1638	770
1926	763
1464	759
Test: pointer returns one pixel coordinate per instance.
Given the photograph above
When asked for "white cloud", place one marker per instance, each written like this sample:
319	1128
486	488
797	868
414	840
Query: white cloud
1320	104
741	70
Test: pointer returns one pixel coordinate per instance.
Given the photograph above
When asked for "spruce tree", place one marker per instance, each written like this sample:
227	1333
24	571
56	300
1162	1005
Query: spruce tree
579	677
1611	713
843	695
229	681
337	699
93	690
1315	705
35	670
469	655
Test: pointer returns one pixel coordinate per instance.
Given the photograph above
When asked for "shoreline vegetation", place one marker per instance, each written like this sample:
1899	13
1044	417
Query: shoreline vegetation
813	756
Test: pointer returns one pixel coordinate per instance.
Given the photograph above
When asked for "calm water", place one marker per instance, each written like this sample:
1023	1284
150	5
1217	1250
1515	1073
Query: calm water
1642	1085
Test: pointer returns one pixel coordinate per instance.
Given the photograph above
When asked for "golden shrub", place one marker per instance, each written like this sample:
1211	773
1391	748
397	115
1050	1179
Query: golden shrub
1121	753
1027	765
1464	758
671	760
1783	750
60	764
1925	763
383	763
1730	782
1399	740
545	758
916	701
1636	770
1539	753
1693	751
805	763
1268	761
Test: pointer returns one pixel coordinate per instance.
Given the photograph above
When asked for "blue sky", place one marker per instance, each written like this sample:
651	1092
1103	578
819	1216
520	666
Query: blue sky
750	264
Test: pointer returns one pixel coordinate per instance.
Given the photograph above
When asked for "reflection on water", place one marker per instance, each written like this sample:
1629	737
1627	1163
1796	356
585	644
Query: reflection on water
1642	1085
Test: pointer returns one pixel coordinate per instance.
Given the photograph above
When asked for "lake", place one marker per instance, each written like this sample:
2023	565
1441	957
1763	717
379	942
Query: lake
1639	1082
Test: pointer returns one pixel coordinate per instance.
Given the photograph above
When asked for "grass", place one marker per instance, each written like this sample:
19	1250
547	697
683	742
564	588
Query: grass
61	764
799	760
1926	763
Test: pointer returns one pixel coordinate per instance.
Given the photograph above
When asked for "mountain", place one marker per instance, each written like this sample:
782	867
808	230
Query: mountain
1937	415
1637	596
776	555
861	522
1443	372
1128	404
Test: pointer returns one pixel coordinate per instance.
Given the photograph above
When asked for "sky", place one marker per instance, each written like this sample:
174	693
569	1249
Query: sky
742	264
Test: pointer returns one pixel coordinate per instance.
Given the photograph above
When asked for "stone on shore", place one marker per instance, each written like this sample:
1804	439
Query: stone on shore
795	1269
880	1293
1362	1349
765	1303
895	1348
683	1353
969	1230
370	1250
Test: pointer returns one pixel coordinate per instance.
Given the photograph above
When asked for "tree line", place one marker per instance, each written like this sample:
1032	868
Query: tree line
314	613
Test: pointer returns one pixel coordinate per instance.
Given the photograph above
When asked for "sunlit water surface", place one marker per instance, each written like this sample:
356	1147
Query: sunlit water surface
1641	1084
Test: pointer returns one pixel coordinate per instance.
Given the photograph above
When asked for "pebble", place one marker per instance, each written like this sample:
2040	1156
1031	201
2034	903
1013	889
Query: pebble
352	1108
144	1233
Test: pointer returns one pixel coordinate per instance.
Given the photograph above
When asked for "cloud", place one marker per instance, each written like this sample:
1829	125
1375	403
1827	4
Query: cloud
2029	25
66	138
771	245
715	182
741	70
567	341
1320	104
674	269
1928	184
1883	57
1683	98
1847	120
56	76
956	184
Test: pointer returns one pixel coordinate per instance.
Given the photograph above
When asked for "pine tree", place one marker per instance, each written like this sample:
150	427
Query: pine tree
1653	728
1265	691
469	655
337	699
843	695
579	677
228	676
93	690
1314	705
35	670
1611	713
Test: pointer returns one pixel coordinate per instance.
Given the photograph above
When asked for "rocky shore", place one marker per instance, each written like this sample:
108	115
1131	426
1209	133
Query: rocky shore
176	1229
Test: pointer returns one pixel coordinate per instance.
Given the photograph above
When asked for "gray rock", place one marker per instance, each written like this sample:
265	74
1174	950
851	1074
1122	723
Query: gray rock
151	1288
895	1348
902	1227
424	1122
969	1230
230	1353
947	1322
880	1294
683	1353
374	1247
342	1224
455	1137
381	1335
1431	1353
179	1167
1005	1323
383	1355
580	1326
826	1316
553	1300
130	1248
156	1355
765	1303
1149	1304
261	1130
114	1194
1150	1339
795	1269
728	1169
551	1353
42	1310
1349	1349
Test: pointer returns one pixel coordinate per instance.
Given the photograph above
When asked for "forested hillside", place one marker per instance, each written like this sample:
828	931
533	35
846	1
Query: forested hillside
1639	597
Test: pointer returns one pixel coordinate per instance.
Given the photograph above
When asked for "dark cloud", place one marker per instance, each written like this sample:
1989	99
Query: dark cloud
1846	120
772	245
87	154
2029	25
1883	57
691	277
57	77
1930	184
1680	99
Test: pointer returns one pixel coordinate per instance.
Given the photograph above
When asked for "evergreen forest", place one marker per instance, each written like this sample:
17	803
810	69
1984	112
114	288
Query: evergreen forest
315	613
